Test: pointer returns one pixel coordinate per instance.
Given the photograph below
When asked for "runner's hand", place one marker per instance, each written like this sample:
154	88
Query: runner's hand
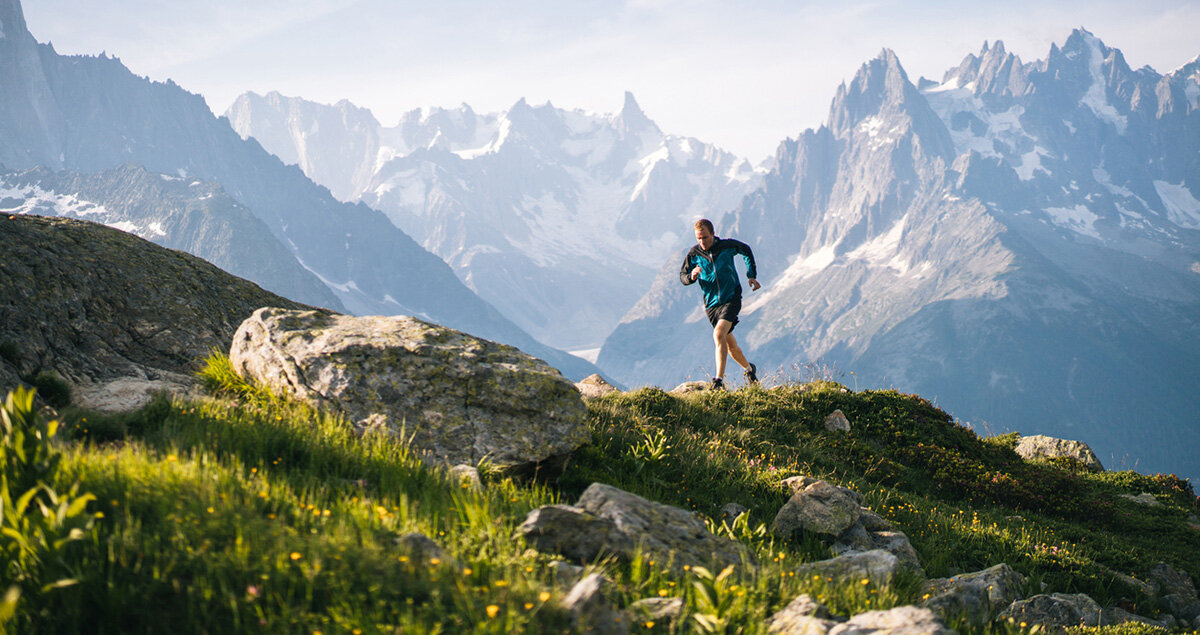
695	273
754	285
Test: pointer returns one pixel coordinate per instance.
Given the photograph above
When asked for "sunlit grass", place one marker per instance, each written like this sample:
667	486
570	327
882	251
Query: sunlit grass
247	512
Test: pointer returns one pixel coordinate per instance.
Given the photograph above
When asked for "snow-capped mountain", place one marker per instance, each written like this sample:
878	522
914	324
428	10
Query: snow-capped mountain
558	218
86	114
1019	241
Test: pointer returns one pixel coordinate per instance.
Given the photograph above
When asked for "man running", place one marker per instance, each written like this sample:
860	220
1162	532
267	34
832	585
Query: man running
710	260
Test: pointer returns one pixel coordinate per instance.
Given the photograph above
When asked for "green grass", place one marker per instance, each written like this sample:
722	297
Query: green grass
246	513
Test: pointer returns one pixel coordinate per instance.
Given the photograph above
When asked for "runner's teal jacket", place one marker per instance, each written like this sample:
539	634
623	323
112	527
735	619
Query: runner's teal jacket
718	277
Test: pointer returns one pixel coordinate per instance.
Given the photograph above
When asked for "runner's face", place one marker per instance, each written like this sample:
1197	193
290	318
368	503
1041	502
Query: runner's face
704	238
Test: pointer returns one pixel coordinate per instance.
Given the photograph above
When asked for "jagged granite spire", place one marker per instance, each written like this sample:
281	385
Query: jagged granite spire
31	126
632	120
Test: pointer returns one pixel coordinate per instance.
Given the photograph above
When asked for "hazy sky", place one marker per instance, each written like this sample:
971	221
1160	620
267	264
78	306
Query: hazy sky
744	74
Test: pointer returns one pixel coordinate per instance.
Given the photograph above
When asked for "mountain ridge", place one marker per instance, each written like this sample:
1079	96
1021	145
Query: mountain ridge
101	115
1016	242
552	215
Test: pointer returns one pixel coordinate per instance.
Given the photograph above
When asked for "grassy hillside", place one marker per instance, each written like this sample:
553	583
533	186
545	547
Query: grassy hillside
242	512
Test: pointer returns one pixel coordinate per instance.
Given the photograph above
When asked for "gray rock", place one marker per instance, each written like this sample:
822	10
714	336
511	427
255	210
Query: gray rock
857	540
594	386
975	596
130	393
732	510
668	533
837	422
872	521
1117	615
565	573
591	609
897	544
902	620
129	317
879	566
425	551
819	508
577	534
1044	447
459	398
690	387
1054	610
802	616
1145	498
1176	591
657	609
799	625
798	483
467	475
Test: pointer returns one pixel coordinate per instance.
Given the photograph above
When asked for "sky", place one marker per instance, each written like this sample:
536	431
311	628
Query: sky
743	74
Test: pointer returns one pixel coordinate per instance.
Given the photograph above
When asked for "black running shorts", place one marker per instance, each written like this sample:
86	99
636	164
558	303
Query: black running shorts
728	311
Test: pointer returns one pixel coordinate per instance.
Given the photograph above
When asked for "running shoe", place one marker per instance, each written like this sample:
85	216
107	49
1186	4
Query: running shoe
717	384
751	374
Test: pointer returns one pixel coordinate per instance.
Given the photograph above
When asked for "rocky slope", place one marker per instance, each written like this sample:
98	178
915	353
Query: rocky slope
556	217
87	114
1018	241
103	308
186	214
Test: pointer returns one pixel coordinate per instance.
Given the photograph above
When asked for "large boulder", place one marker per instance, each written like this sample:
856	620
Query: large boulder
459	398
820	508
1177	592
1043	447
573	533
976	596
878	566
1054	610
902	620
607	520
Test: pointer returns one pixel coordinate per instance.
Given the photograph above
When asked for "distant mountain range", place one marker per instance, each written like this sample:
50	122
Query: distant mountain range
1019	242
558	218
88	114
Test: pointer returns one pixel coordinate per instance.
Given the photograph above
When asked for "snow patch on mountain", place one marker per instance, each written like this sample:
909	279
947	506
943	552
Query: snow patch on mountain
1096	97
884	250
1182	207
32	199
1078	219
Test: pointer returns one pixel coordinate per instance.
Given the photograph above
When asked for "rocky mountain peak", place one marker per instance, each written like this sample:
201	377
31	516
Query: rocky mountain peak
12	21
881	84
994	72
632	120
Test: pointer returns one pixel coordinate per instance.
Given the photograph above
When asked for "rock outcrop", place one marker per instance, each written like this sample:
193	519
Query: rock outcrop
1044	447
835	514
1054	610
610	521
113	314
594	386
975	597
1177	593
877	566
459	398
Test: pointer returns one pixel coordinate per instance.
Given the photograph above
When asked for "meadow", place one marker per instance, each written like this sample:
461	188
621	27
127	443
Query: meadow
244	512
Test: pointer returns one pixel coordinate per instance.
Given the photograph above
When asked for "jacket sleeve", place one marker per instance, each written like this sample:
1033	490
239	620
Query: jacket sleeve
685	271
748	255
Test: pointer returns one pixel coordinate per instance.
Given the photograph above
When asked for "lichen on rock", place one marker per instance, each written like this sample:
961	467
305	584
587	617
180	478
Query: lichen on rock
460	399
